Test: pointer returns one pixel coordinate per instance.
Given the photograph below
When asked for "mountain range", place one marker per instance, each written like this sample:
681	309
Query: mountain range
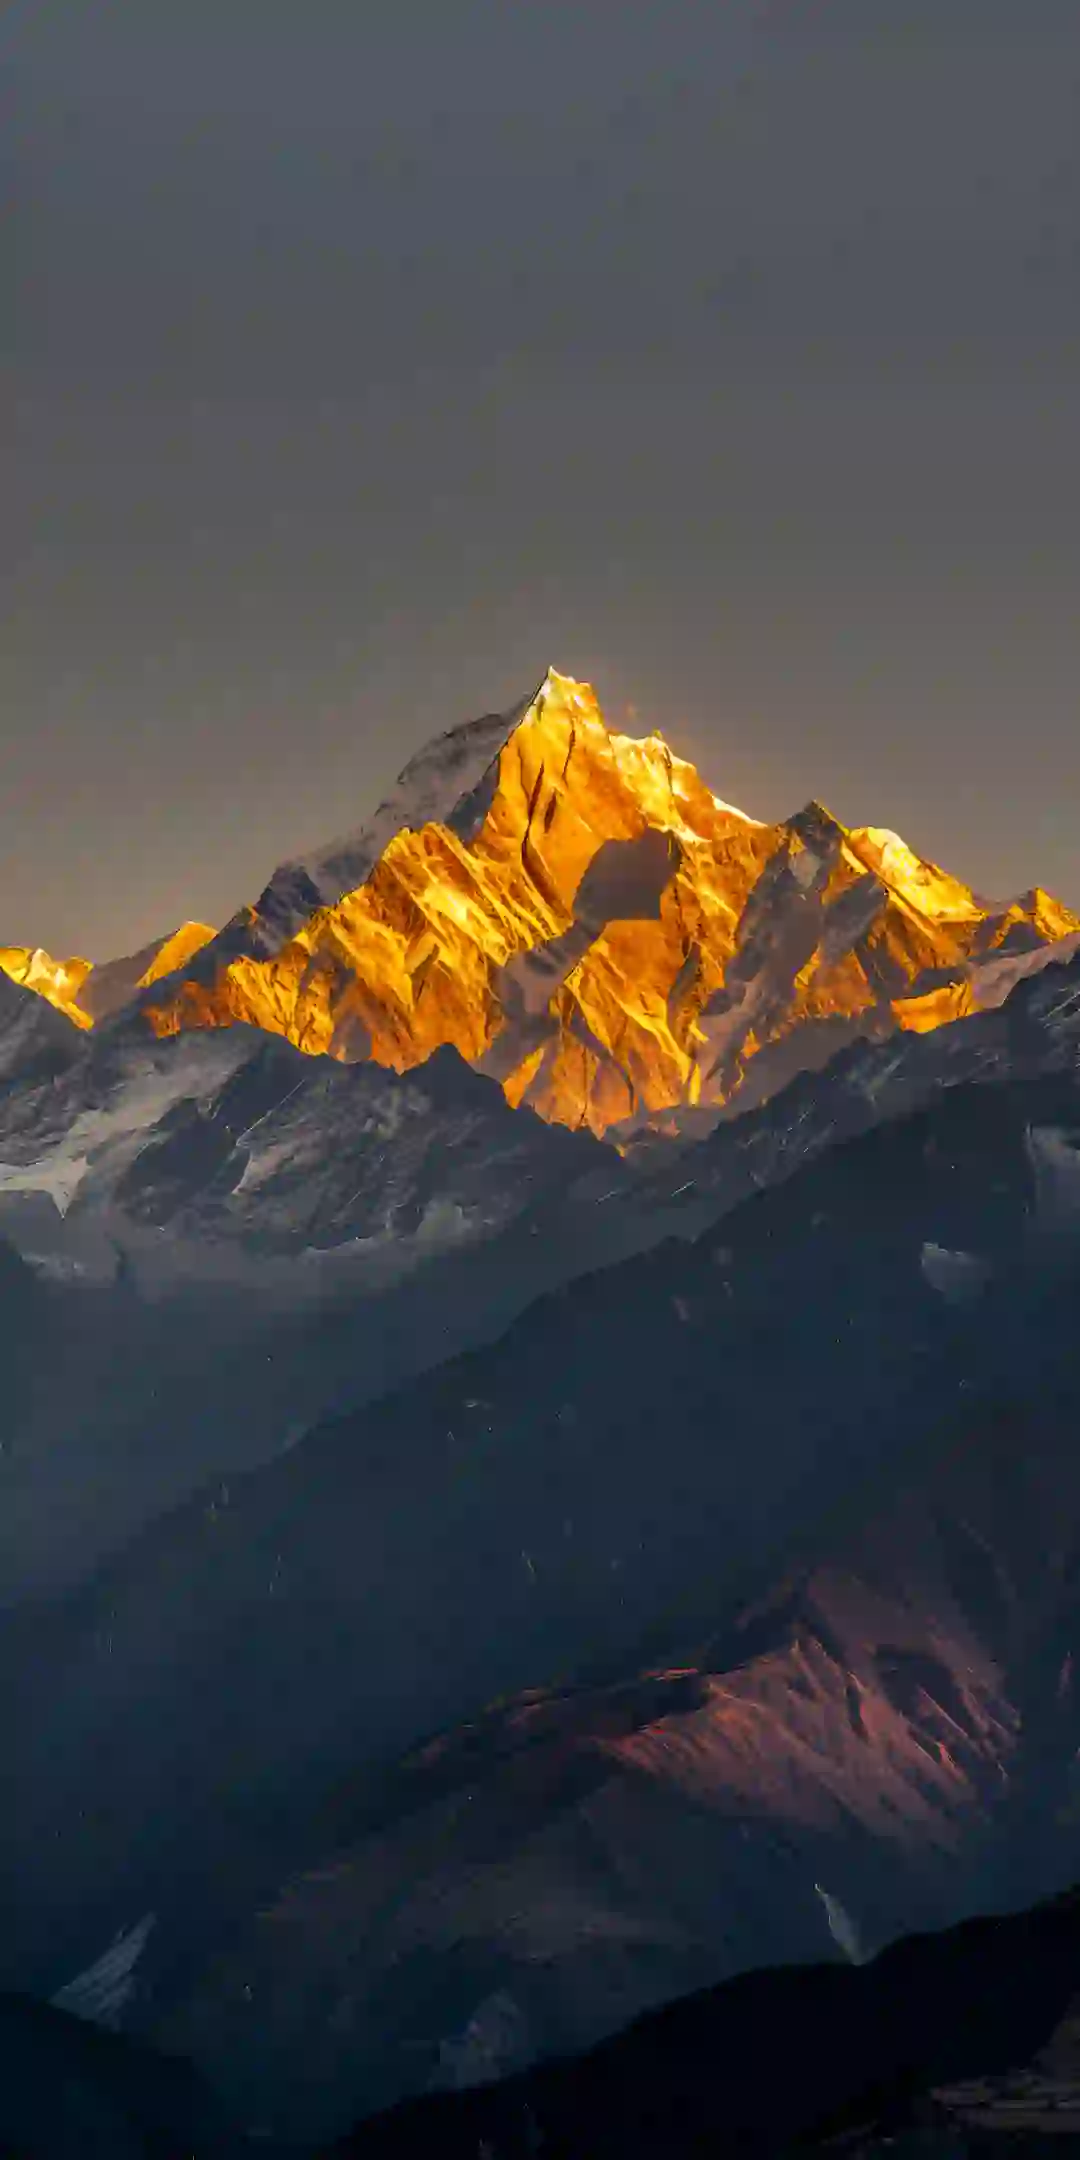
466	1582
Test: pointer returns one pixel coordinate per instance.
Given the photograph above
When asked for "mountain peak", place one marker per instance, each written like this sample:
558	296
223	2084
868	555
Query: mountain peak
58	981
575	912
108	988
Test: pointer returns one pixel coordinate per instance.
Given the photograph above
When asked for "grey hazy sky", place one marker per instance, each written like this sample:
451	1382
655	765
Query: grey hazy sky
368	355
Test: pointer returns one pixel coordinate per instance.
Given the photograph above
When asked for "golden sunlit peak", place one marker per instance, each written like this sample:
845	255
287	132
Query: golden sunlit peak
934	892
652	749
57	980
176	951
580	695
579	915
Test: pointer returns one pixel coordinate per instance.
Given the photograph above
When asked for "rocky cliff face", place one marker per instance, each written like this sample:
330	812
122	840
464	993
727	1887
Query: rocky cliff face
577	913
36	1040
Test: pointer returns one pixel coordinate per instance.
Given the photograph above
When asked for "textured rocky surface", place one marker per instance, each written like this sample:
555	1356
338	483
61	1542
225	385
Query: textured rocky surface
235	1138
36	1041
711	1163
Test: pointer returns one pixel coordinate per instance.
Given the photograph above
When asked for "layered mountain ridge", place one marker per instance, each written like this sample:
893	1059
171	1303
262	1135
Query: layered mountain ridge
813	1672
579	916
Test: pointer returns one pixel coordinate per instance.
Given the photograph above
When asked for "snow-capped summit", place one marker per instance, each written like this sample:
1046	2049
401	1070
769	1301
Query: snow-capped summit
580	916
450	781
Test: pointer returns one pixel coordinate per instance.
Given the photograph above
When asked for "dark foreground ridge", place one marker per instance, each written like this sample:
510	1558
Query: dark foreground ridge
71	2091
786	2060
959	2043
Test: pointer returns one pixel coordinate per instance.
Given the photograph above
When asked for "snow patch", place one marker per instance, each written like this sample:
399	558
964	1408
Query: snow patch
841	1927
732	810
1054	1156
956	1276
121	1126
992	981
432	786
105	1990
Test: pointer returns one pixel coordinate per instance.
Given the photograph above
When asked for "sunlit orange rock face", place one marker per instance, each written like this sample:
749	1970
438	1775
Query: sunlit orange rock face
106	989
87	993
57	980
603	934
